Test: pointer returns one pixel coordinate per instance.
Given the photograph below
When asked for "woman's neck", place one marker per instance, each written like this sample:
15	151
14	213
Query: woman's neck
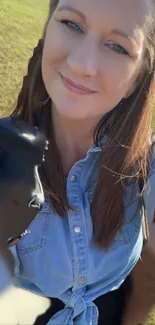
73	138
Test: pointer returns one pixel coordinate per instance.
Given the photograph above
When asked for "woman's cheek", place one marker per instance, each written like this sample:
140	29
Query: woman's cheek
120	77
61	36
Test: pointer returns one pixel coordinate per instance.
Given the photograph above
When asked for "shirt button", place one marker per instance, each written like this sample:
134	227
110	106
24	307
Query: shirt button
73	178
81	280
77	229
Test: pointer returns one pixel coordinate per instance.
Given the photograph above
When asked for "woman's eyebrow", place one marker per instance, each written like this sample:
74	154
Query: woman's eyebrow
73	10
115	31
125	35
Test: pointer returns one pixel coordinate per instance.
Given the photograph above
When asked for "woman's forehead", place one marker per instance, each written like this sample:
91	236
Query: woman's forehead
127	15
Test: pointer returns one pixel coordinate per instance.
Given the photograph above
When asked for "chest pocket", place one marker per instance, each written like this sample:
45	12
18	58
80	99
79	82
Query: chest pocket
35	237
132	225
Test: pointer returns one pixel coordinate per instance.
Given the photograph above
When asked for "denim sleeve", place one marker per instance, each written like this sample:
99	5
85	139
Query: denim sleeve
149	193
6	276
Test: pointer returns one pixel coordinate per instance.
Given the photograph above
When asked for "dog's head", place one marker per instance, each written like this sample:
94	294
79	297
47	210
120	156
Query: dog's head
21	195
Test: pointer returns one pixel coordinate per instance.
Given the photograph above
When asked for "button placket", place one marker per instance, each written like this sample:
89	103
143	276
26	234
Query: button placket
79	242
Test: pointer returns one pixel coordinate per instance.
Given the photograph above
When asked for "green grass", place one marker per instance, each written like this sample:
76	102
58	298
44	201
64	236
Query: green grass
21	23
151	320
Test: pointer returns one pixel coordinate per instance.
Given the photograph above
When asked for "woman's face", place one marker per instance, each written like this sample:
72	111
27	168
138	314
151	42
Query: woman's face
99	45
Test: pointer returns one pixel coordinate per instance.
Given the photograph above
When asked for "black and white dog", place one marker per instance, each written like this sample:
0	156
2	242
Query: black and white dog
21	195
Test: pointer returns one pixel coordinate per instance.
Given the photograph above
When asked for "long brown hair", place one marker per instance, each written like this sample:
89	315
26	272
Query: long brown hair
125	154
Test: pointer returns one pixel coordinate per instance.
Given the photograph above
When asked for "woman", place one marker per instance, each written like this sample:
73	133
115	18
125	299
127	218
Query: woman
90	85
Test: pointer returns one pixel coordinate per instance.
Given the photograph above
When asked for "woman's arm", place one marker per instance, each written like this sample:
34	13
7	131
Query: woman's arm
142	299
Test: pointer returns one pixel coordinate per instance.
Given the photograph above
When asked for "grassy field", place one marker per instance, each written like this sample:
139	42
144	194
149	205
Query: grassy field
21	25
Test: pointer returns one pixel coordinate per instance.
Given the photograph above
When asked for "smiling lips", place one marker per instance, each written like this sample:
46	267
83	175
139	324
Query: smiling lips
78	89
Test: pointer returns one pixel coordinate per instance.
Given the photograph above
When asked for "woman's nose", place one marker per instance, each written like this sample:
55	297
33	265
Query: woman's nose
83	60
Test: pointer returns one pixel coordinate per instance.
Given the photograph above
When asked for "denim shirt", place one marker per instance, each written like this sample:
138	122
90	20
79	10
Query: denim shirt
58	258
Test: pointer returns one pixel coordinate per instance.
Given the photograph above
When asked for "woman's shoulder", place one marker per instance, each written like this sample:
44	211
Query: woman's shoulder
151	170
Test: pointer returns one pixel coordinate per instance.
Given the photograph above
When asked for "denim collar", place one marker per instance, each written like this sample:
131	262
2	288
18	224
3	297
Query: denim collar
99	146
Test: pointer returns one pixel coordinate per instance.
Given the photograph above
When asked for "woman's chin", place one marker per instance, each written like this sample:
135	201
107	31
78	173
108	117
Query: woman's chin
73	112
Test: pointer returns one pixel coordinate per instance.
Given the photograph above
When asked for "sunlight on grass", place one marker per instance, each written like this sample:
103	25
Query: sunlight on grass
151	320
21	25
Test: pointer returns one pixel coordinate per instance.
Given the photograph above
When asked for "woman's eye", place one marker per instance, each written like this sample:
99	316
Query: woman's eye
71	25
117	48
